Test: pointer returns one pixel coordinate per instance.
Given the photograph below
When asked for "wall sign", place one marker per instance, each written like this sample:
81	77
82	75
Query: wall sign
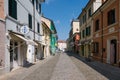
24	29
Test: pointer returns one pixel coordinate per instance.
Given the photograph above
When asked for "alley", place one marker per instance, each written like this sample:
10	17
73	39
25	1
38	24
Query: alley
58	67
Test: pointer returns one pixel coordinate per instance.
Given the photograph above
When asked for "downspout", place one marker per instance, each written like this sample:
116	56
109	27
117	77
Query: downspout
34	19
85	55
86	40
102	35
119	34
34	28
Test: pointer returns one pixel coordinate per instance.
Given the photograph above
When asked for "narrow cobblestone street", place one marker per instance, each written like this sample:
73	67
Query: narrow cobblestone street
89	68
88	72
58	67
66	70
49	40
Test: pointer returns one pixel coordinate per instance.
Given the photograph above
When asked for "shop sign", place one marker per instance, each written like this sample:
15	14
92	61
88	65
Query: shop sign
24	29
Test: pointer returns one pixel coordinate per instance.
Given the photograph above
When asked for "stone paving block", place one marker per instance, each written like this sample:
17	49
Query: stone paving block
66	70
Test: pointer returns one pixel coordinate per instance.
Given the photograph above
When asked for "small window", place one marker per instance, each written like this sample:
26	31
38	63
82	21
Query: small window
89	13
13	9
30	21
96	25
37	5
83	33
111	17
33	2
84	18
80	21
38	28
39	8
80	35
95	47
88	31
77	29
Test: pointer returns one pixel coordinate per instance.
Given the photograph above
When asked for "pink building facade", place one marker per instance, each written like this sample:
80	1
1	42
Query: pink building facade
2	46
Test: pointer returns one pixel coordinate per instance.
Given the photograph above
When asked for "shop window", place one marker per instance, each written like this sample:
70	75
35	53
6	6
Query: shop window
15	55
95	47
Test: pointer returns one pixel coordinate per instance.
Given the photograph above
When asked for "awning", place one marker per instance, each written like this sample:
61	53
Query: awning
40	42
31	42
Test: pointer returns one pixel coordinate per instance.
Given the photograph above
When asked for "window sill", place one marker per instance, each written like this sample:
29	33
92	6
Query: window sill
13	19
111	25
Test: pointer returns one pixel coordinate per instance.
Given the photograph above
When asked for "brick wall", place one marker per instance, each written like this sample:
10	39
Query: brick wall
109	31
2	9
2	44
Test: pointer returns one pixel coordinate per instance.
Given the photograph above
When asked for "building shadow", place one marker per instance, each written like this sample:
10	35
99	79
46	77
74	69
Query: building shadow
27	64
110	72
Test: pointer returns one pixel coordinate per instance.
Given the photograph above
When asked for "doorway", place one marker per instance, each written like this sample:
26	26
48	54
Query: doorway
13	55
82	50
113	51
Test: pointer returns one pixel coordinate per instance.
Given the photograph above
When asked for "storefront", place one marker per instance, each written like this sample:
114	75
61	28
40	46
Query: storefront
22	50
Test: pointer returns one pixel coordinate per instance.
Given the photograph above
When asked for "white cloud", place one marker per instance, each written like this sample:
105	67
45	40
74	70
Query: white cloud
48	1
70	20
57	22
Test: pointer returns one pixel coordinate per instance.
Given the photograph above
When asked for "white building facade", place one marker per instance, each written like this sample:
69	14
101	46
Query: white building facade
62	45
23	32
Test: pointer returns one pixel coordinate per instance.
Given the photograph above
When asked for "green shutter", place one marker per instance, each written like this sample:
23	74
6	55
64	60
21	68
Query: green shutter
89	30
38	29
13	9
30	21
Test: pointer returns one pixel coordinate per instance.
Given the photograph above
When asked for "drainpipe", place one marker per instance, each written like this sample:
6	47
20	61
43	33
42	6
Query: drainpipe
102	35
86	45
34	19
34	28
119	35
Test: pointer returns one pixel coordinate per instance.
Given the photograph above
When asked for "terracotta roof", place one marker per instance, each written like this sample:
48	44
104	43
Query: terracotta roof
61	41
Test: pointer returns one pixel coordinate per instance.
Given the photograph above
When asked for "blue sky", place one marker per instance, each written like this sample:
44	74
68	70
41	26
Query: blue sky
62	12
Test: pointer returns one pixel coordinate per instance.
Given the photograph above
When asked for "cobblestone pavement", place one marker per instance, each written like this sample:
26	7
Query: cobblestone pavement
87	71
66	70
21	73
59	67
111	72
44	72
